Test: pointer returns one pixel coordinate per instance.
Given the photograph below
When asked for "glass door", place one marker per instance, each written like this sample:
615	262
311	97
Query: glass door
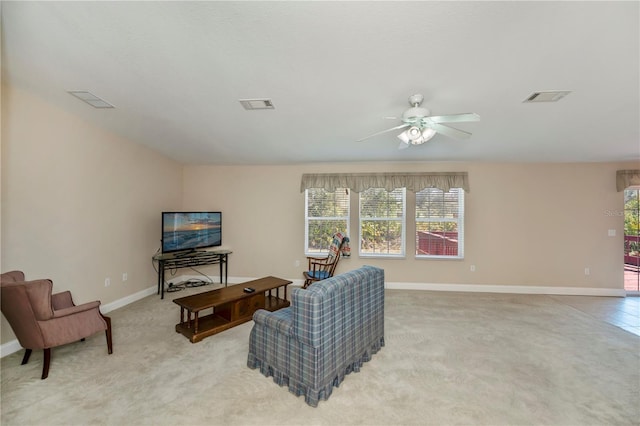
632	240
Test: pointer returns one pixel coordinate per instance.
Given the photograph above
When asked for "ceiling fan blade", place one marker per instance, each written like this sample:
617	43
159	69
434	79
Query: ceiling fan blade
450	131
403	145
402	126
454	118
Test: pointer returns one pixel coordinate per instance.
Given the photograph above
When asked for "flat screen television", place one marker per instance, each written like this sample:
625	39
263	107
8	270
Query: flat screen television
188	231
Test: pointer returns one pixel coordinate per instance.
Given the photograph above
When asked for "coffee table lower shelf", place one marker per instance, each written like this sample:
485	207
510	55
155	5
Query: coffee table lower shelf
227	316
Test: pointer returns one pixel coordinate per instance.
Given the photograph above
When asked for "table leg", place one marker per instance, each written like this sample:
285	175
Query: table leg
159	275
226	269
161	279
221	259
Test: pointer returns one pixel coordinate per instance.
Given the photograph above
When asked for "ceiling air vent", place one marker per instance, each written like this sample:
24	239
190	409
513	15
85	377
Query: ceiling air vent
250	104
550	96
90	98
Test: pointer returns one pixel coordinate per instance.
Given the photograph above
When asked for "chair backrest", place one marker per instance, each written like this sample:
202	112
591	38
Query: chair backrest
334	264
23	304
339	245
335	251
12	276
341	310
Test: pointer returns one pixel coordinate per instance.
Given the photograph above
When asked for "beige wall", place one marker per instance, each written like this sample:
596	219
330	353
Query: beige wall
79	204
526	224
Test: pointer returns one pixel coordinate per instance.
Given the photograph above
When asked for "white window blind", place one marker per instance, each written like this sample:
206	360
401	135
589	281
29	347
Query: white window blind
325	214
382	222
440	223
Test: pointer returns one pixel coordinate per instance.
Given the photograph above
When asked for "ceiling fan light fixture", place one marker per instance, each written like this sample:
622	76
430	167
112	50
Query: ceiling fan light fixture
414	133
404	137
420	126
428	133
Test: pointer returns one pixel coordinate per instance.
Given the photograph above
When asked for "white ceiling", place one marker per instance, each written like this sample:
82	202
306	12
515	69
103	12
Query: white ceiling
334	70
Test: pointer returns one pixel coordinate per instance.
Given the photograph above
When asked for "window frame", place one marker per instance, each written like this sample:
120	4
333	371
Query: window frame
403	223
307	219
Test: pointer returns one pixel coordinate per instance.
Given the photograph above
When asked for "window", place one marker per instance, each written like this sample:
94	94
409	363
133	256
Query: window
439	223
382	222
631	239
325	214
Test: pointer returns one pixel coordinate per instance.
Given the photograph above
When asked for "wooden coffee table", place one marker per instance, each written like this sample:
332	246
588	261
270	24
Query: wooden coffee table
230	306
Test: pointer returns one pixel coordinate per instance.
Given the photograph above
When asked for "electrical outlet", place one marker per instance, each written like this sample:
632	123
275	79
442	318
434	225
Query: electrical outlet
587	271
107	282
472	268
125	277
297	263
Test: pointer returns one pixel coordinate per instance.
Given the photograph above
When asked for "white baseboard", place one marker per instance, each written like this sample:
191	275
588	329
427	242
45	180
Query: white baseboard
9	348
128	299
13	345
517	289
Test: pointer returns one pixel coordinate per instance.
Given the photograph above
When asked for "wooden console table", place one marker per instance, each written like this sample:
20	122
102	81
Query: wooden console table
230	306
196	258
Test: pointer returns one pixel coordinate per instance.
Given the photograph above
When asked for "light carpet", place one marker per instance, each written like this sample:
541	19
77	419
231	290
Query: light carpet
449	359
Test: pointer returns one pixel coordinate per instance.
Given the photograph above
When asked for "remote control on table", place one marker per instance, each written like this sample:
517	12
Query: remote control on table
249	290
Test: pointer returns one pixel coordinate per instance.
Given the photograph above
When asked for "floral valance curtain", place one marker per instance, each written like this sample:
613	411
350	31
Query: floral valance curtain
359	182
627	178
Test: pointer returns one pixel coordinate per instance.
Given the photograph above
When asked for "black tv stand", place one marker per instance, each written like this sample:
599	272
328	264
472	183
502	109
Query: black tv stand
191	259
187	253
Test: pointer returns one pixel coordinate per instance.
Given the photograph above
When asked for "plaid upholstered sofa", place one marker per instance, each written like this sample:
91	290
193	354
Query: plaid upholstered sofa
330	330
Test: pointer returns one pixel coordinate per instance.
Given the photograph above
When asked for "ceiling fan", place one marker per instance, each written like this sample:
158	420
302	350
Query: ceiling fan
420	126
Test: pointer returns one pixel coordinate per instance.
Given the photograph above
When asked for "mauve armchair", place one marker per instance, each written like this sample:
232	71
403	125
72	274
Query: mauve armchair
42	320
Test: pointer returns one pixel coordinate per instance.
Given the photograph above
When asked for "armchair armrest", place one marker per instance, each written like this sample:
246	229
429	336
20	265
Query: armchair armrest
76	309
279	320
61	300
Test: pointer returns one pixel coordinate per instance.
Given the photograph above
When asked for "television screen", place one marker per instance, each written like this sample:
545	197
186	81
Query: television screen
190	230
